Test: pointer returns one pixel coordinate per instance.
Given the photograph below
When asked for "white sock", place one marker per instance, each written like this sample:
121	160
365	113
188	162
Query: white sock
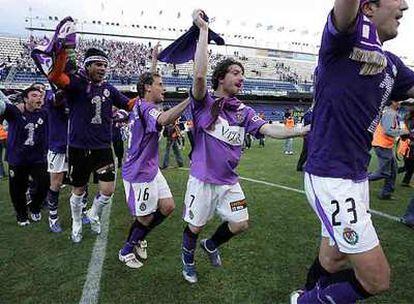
76	210
99	202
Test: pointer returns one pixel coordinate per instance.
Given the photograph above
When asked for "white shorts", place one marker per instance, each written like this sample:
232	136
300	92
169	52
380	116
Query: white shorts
56	162
142	198
342	207
203	199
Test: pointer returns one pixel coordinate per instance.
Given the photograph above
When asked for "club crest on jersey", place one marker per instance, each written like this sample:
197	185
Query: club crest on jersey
154	113
256	118
40	121
239	117
106	93
11	173
142	207
350	236
191	215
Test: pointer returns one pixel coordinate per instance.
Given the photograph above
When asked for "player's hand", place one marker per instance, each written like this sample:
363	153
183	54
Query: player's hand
303	131
198	20
156	50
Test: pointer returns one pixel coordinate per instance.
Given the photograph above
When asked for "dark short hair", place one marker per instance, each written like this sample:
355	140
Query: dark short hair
26	92
221	70
143	79
38	83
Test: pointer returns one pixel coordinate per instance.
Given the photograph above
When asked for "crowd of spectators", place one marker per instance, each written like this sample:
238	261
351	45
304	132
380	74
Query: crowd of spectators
128	59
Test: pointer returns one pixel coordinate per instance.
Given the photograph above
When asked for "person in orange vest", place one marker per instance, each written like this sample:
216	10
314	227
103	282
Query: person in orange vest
409	155
3	140
290	124
383	143
190	128
172	134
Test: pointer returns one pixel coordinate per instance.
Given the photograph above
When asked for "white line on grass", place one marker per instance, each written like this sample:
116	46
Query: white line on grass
91	288
378	213
90	293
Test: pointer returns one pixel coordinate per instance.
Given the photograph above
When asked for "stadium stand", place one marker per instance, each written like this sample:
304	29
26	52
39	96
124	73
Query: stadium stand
264	76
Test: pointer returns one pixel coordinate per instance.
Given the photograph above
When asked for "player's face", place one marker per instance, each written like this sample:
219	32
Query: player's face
386	17
34	100
232	83
42	90
157	90
97	71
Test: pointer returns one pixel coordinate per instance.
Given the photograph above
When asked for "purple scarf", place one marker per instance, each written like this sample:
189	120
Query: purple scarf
227	103
368	47
183	49
44	55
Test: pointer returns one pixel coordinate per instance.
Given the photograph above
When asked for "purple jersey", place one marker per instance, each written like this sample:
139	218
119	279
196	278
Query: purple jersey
90	112
217	148
348	106
58	123
27	136
141	164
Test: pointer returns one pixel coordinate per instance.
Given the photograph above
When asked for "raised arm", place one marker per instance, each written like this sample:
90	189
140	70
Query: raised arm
344	14
3	99
281	132
170	116
58	76
154	59
199	88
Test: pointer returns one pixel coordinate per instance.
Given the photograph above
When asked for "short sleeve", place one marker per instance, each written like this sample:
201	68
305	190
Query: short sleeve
119	99
150	115
335	42
404	80
253	123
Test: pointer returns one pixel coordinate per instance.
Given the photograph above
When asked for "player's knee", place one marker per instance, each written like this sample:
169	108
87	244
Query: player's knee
239	227
145	220
78	191
107	191
167	207
331	264
195	229
378	283
55	185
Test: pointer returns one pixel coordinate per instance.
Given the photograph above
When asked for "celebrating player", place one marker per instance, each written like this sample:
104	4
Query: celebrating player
148	196
26	149
356	78
220	122
90	99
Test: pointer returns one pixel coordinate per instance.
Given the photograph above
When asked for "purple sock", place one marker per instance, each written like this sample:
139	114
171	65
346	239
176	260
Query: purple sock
316	271
158	218
189	245
136	233
310	296
341	288
52	202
